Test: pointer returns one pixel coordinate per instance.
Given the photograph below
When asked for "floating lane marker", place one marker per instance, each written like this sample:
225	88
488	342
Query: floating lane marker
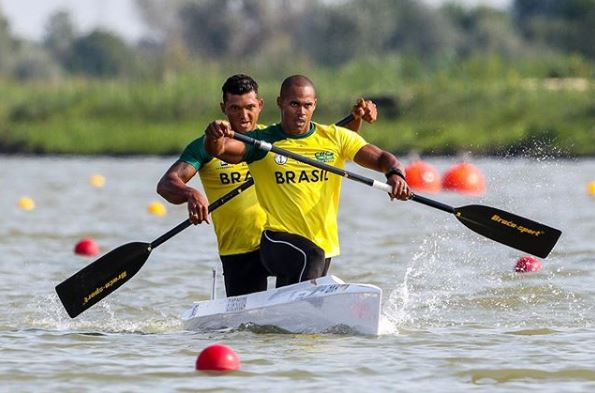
157	209
218	357
97	181
464	178
87	247
26	203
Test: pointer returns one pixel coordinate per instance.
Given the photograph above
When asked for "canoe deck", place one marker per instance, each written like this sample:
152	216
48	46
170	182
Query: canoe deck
314	306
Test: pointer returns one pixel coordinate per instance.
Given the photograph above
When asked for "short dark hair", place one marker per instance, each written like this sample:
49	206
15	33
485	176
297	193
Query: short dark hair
239	84
295	80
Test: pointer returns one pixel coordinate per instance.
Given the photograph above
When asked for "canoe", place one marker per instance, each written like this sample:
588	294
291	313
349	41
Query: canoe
326	304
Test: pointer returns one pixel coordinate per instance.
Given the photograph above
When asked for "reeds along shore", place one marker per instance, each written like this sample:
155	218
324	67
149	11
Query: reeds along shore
483	106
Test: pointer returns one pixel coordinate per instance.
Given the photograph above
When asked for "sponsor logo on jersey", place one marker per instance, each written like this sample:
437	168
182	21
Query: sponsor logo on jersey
279	159
325	156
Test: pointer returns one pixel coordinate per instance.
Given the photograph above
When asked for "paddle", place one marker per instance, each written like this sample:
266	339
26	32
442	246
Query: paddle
346	120
499	225
102	277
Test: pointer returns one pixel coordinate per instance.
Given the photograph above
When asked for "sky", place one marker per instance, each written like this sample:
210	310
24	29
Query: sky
27	18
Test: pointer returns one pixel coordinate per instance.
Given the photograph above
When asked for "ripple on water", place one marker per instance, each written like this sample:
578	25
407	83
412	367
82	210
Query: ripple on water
487	376
453	312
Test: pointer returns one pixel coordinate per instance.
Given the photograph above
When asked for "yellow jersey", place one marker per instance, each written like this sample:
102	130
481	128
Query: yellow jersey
297	197
238	223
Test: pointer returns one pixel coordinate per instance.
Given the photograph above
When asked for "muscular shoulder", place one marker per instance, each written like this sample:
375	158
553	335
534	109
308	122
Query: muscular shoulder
195	154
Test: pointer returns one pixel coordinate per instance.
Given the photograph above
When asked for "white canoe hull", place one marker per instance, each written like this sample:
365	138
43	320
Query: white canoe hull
314	306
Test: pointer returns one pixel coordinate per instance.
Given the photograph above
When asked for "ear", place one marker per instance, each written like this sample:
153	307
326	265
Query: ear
279	101
222	106
260	102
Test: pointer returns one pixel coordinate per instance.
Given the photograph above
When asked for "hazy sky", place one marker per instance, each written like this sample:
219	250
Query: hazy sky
27	18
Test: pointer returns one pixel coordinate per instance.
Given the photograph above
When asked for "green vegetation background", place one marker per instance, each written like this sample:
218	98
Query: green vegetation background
483	105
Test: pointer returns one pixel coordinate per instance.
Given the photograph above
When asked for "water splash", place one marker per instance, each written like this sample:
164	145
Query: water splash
48	314
452	281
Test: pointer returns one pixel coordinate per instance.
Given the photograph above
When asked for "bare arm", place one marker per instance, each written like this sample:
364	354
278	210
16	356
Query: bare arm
372	157
173	188
362	110
219	142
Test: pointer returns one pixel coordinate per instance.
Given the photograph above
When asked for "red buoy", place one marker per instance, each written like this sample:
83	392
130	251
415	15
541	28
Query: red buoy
464	177
422	176
526	264
86	247
218	357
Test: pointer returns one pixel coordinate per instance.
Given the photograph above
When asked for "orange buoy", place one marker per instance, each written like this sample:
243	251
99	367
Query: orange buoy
464	177
87	247
526	264
422	176
218	357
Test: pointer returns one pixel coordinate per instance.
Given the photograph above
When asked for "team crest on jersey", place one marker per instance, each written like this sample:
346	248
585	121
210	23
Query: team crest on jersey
325	156
279	159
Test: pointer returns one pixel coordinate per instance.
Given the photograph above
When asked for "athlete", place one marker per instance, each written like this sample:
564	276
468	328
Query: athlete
301	203
239	223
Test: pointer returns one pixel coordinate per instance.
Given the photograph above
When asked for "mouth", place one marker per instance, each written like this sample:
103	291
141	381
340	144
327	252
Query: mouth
245	125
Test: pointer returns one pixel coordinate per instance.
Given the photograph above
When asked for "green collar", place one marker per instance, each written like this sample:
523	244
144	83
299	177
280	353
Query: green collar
300	136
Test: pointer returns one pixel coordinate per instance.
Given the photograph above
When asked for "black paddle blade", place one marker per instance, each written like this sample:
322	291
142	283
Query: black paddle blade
510	229
97	280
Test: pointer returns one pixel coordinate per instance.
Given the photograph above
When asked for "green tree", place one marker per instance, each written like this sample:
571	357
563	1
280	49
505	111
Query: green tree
102	54
34	62
333	33
485	30
227	28
7	46
568	25
60	34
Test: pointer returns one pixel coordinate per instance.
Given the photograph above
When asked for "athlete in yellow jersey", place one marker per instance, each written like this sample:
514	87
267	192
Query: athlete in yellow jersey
239	223
301	203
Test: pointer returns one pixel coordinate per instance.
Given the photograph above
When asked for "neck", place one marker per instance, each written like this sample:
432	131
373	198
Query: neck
293	131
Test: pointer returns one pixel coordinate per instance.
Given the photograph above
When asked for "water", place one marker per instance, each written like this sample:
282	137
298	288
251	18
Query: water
456	317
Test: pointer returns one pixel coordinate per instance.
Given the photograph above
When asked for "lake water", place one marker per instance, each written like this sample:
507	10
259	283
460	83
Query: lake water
455	316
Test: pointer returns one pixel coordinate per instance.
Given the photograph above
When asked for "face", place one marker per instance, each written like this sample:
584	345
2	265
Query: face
242	111
297	107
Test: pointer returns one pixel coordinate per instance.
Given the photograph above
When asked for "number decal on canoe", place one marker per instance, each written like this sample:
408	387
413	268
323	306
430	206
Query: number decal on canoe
235	304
